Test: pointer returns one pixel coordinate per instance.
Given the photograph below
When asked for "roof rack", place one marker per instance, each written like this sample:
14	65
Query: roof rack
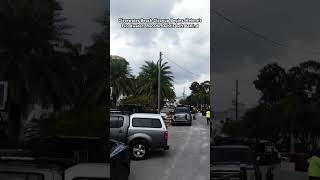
121	112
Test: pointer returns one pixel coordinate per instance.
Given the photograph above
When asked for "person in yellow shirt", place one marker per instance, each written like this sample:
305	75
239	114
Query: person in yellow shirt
314	166
208	115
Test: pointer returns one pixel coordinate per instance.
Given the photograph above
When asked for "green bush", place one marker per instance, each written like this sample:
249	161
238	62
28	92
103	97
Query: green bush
86	121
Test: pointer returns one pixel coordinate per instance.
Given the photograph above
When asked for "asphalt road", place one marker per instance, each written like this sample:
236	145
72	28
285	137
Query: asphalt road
285	171
187	159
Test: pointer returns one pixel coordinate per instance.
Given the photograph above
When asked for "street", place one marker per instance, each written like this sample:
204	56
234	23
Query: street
285	171
188	157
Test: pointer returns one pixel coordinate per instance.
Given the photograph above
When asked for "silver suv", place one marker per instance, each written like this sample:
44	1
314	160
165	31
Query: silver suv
141	131
182	115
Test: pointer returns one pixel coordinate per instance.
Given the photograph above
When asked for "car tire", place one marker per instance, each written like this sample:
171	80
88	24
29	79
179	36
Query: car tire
139	150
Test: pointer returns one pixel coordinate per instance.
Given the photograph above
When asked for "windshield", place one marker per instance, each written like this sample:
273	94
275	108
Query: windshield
225	155
20	176
182	110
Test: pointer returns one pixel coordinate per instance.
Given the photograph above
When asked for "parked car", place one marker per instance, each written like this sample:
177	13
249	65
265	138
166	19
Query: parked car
233	162
141	131
166	113
23	168
12	168
182	115
119	160
52	161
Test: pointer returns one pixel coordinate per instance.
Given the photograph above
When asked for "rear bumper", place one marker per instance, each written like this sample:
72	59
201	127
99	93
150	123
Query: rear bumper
181	120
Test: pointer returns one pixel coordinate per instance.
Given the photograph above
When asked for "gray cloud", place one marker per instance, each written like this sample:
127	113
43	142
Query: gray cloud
187	47
82	15
290	22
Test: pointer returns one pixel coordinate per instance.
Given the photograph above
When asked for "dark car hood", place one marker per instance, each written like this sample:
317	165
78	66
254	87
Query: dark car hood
117	148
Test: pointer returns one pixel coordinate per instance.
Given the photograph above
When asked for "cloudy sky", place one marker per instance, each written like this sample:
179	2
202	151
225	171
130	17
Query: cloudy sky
81	14
189	48
237	54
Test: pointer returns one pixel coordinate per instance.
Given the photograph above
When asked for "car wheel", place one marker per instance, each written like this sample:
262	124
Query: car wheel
139	150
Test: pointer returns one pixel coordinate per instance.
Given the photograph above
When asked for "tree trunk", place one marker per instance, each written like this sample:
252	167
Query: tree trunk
292	139
14	123
114	100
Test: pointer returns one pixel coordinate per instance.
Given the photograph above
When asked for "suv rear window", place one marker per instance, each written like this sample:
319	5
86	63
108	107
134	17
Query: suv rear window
182	110
146	122
116	121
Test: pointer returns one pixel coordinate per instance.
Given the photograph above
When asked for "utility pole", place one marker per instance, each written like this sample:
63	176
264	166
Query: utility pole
237	94
159	84
184	92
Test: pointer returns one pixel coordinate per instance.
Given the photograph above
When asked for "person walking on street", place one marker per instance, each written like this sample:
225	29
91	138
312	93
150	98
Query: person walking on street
208	115
194	113
314	166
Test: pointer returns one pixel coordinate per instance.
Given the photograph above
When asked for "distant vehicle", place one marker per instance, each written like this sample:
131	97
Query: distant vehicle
182	115
233	162
142	132
163	115
166	113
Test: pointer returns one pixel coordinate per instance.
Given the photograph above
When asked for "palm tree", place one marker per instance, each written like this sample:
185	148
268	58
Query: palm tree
87	117
120	74
148	81
99	64
91	69
30	31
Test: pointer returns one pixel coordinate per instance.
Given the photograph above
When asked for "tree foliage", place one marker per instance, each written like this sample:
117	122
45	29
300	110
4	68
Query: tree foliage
83	121
30	34
120	74
42	67
148	81
200	94
289	103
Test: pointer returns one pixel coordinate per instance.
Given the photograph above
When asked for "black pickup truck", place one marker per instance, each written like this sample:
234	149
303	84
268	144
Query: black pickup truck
233	162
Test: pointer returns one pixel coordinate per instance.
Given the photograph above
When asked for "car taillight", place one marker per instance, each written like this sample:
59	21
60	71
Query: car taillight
166	135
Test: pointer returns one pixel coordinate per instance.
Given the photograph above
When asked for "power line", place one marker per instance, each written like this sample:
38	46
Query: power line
261	36
249	30
180	66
